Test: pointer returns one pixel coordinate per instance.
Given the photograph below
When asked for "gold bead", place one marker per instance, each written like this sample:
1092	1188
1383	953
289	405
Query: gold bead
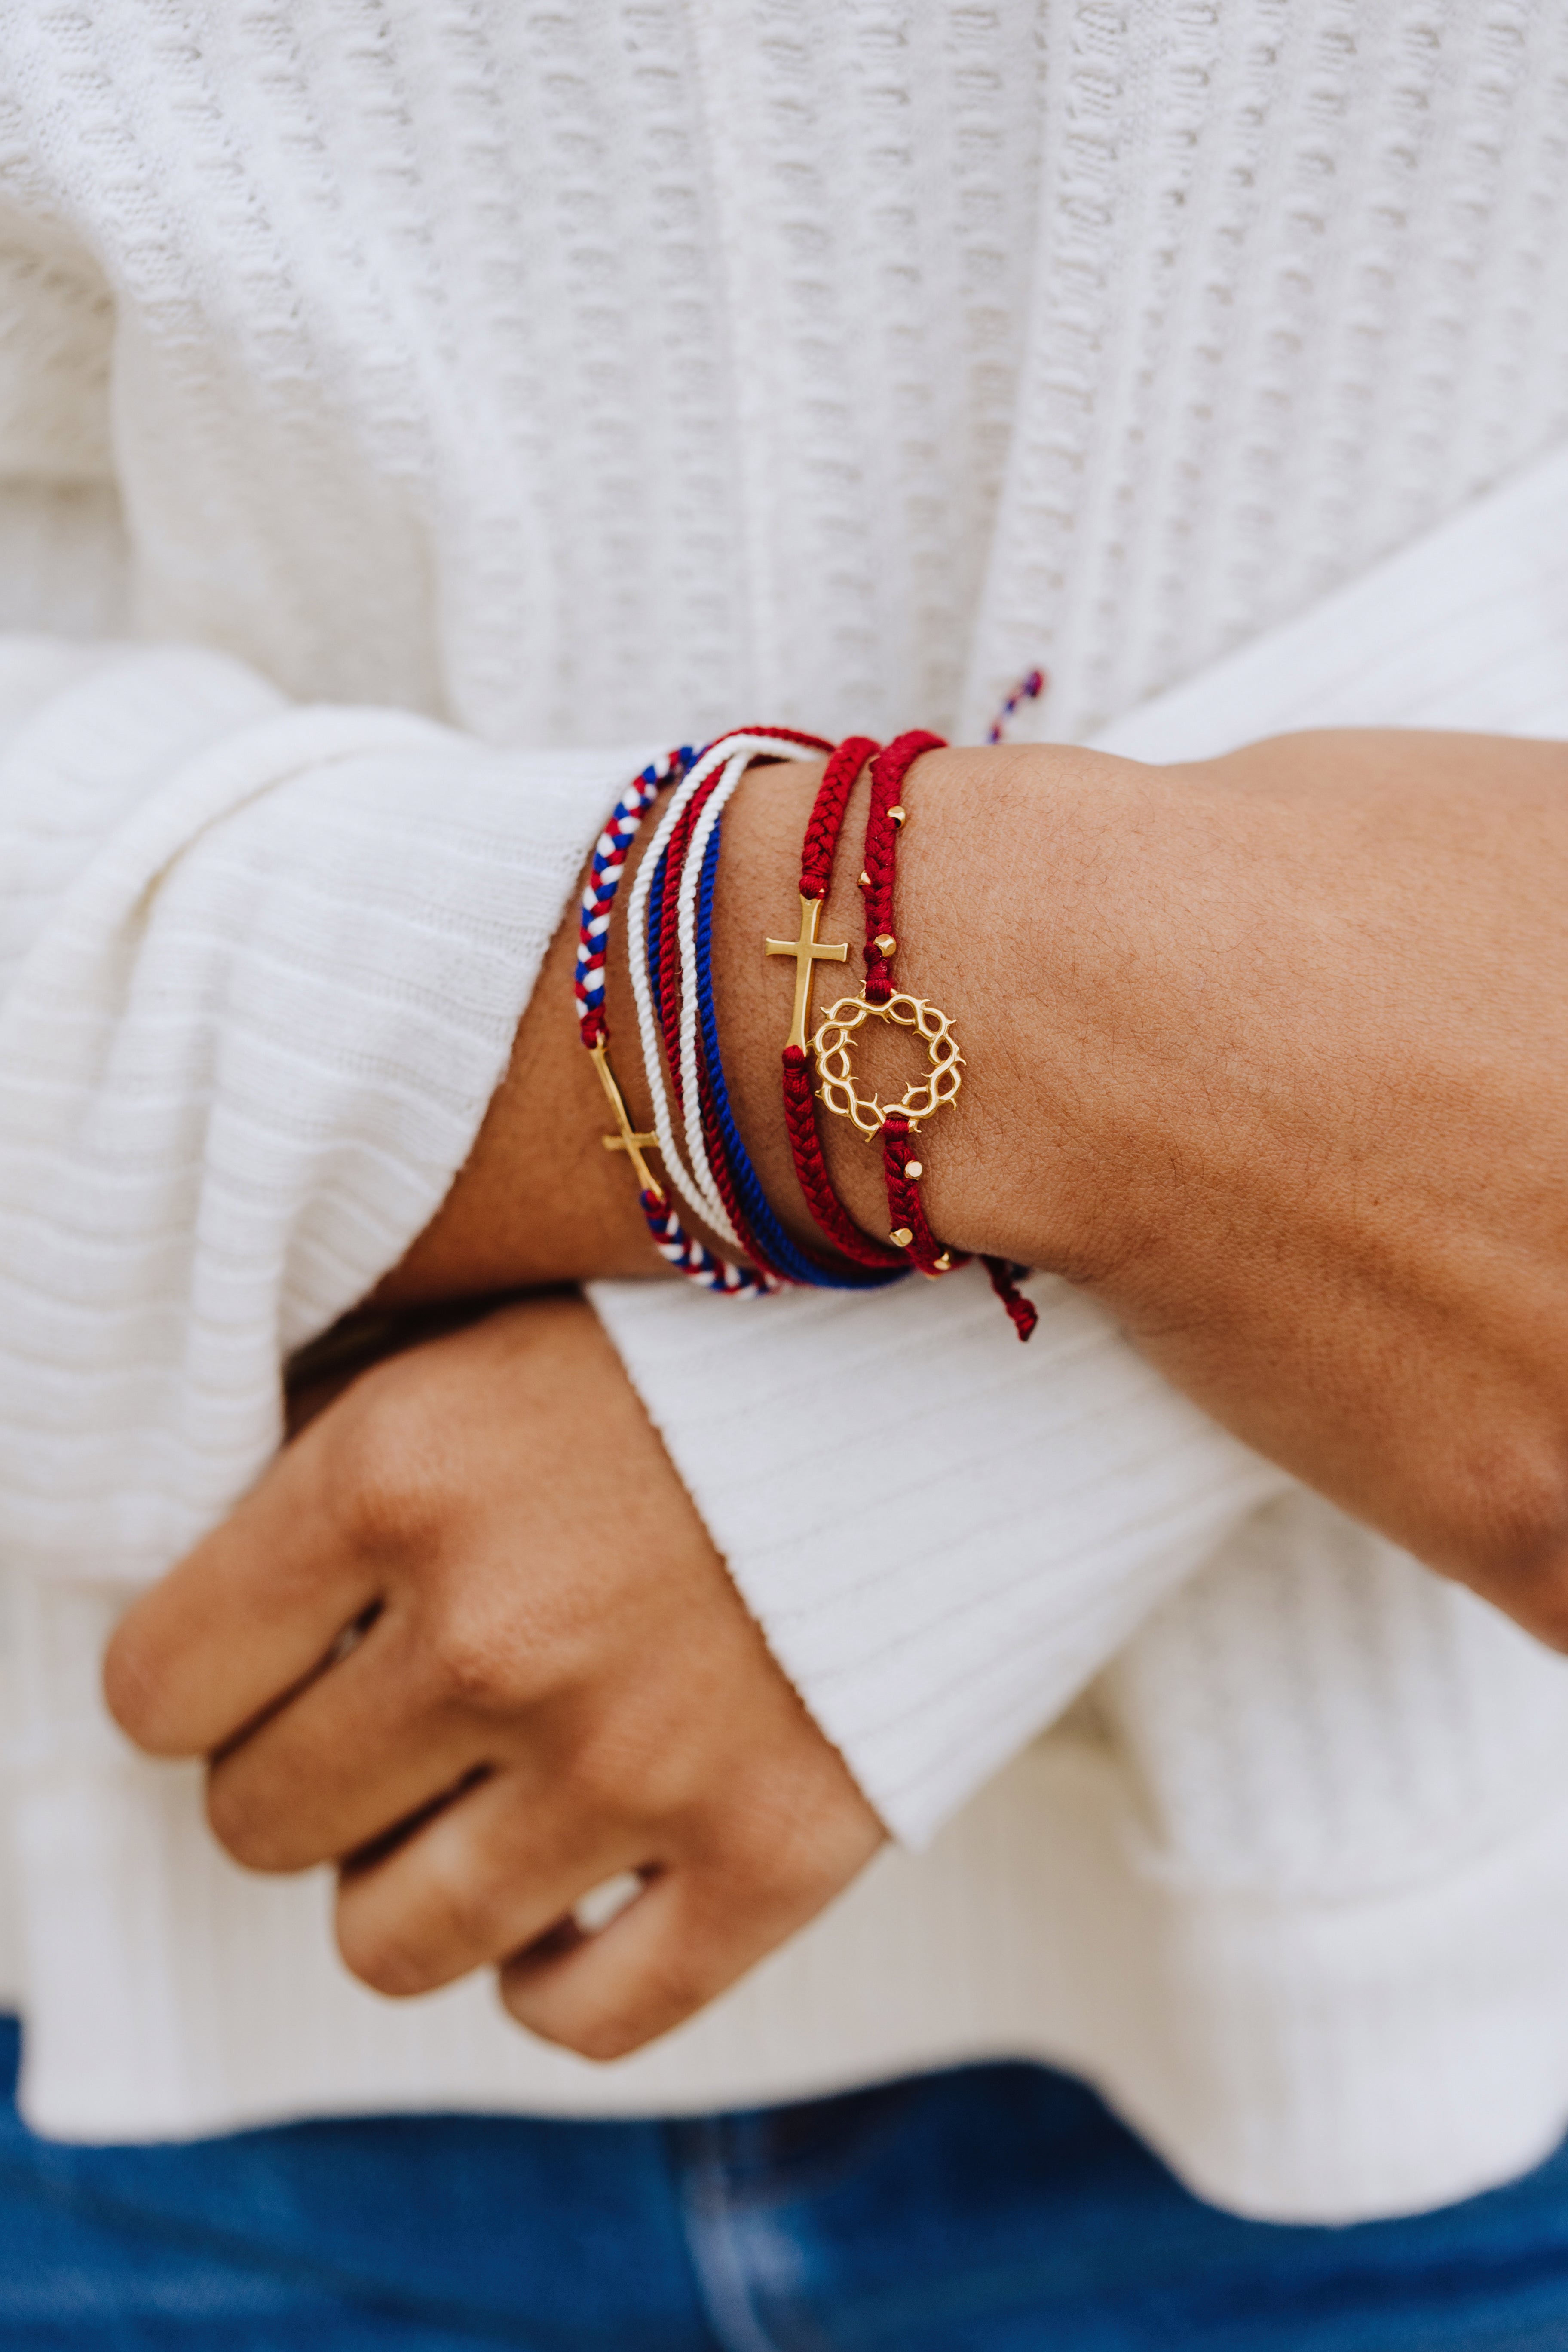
943	1264
864	880
901	1236
887	942
914	1167
897	814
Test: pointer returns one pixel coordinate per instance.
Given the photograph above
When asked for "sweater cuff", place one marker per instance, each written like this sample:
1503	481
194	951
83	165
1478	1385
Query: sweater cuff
268	968
944	1536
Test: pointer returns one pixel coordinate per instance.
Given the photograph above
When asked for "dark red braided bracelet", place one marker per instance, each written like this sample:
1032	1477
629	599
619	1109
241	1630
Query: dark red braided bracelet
884	820
896	1125
817	853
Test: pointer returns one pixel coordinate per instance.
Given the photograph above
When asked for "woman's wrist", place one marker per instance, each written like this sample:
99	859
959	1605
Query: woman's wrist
1002	874
539	1201
996	855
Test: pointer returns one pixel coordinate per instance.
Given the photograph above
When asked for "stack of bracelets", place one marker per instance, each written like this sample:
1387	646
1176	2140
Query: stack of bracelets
670	921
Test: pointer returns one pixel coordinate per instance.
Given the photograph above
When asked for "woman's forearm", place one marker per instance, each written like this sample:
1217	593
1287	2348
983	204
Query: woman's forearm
542	1200
1267	1053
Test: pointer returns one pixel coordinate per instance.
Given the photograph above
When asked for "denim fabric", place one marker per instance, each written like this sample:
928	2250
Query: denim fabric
996	2208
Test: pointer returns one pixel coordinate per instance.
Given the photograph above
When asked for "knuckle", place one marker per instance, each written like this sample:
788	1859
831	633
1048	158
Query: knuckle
383	1956
456	1920
601	2032
602	2027
471	1664
462	1916
612	1782
383	1469
137	1693
602	2039
250	1830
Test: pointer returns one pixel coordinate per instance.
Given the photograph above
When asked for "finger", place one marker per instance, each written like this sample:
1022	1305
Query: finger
364	1746
254	1608
744	1873
496	1869
680	1944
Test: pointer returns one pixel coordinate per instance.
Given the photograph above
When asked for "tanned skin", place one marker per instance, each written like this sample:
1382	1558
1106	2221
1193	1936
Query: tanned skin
1268	1054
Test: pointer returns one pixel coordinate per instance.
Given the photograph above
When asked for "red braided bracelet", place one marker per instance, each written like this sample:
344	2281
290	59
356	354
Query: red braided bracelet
817	852
883	820
901	1170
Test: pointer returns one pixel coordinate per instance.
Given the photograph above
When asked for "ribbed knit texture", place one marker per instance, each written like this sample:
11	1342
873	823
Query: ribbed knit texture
604	376
938	1618
243	1060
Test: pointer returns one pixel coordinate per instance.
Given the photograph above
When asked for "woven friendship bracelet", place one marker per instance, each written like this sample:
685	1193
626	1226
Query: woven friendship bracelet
671	985
662	1028
910	1231
761	1229
678	1248
684	865
884	820
817	861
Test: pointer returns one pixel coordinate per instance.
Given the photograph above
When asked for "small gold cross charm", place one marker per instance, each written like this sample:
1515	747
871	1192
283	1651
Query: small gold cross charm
805	952
629	1140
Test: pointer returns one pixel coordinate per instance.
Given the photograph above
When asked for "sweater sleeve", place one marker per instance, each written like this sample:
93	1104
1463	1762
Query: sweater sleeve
943	1535
261	968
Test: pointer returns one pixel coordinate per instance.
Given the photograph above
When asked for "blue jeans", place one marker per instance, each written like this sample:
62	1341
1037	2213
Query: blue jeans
995	2209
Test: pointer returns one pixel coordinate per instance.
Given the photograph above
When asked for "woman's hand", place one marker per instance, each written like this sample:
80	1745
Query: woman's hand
556	1683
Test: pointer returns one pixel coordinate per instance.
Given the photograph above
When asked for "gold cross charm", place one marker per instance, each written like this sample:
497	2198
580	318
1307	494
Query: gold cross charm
629	1140
805	952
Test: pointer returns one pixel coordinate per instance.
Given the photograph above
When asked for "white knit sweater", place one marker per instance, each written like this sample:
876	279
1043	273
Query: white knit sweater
394	395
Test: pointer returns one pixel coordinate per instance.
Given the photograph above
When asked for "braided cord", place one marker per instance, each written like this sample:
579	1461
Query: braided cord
672	906
770	743
889	769
762	1229
649	1026
680	1249
826	822
609	863
703	833
900	1170
818	851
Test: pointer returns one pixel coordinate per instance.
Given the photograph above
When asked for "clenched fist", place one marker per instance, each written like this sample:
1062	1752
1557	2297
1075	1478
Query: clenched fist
469	1640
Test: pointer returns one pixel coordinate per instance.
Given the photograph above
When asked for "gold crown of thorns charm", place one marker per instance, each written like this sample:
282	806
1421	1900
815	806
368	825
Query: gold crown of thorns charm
835	1066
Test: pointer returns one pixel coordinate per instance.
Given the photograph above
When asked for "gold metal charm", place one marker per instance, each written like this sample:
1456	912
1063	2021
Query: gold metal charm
836	1072
807	953
629	1140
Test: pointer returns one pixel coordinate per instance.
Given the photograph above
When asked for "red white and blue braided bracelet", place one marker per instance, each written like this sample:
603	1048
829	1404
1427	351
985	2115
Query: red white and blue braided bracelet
685	873
716	772
678	1248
